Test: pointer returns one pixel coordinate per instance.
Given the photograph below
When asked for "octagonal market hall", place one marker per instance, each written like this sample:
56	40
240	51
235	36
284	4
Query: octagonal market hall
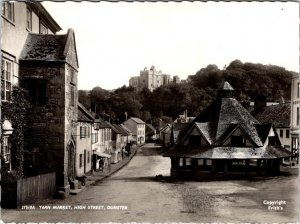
226	139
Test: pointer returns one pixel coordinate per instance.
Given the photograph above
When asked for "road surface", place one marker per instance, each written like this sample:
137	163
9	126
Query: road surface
133	194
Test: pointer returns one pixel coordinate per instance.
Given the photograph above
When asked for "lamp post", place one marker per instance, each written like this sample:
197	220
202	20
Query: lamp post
7	130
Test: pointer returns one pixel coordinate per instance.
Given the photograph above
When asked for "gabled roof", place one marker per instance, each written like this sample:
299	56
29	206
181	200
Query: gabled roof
114	128
279	115
102	124
217	123
49	47
137	120
123	132
44	47
149	126
84	115
126	129
40	10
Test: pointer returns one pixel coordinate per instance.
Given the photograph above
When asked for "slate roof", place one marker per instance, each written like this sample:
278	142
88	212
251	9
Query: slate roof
102	124
137	120
84	115
126	129
279	115
270	152
123	132
217	122
149	129
45	47
114	128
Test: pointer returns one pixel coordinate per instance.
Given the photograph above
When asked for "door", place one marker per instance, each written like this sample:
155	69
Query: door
84	161
71	161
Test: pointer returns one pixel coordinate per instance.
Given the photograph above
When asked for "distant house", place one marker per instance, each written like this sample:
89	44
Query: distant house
137	126
279	115
225	138
101	144
150	132
116	155
129	133
170	133
165	134
84	141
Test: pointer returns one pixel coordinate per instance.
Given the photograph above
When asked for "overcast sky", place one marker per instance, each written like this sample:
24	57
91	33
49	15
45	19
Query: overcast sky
117	40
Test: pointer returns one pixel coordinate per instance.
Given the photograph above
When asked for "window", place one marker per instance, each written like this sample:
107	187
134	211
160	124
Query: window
6	152
188	161
43	29
238	141
37	91
281	133
200	162
6	80
208	162
82	132
195	140
287	133
181	162
298	90
72	76
72	95
94	138
80	160
297	116
88	157
8	11
272	140
88	132
29	19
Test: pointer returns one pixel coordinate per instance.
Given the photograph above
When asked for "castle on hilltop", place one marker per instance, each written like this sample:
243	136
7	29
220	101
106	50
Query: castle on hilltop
151	79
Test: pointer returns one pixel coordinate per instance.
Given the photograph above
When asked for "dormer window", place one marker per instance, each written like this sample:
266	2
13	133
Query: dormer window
195	140
238	141
272	140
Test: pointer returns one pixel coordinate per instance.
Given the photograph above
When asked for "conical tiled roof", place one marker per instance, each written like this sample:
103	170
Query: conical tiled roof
219	120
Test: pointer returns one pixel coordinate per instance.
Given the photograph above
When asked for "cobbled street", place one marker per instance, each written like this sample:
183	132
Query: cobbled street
146	199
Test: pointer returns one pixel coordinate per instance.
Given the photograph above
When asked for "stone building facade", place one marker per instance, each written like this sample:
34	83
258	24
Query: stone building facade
48	70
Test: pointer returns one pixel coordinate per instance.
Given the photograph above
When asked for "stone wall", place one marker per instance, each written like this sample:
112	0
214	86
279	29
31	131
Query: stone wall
47	123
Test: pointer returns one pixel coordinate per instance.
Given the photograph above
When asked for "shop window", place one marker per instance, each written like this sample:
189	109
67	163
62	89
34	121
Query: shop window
6	79
238	141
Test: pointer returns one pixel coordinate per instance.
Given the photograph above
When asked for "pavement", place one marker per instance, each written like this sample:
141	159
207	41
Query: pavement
95	177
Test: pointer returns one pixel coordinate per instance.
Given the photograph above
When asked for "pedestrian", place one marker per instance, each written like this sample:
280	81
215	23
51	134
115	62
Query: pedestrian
101	164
